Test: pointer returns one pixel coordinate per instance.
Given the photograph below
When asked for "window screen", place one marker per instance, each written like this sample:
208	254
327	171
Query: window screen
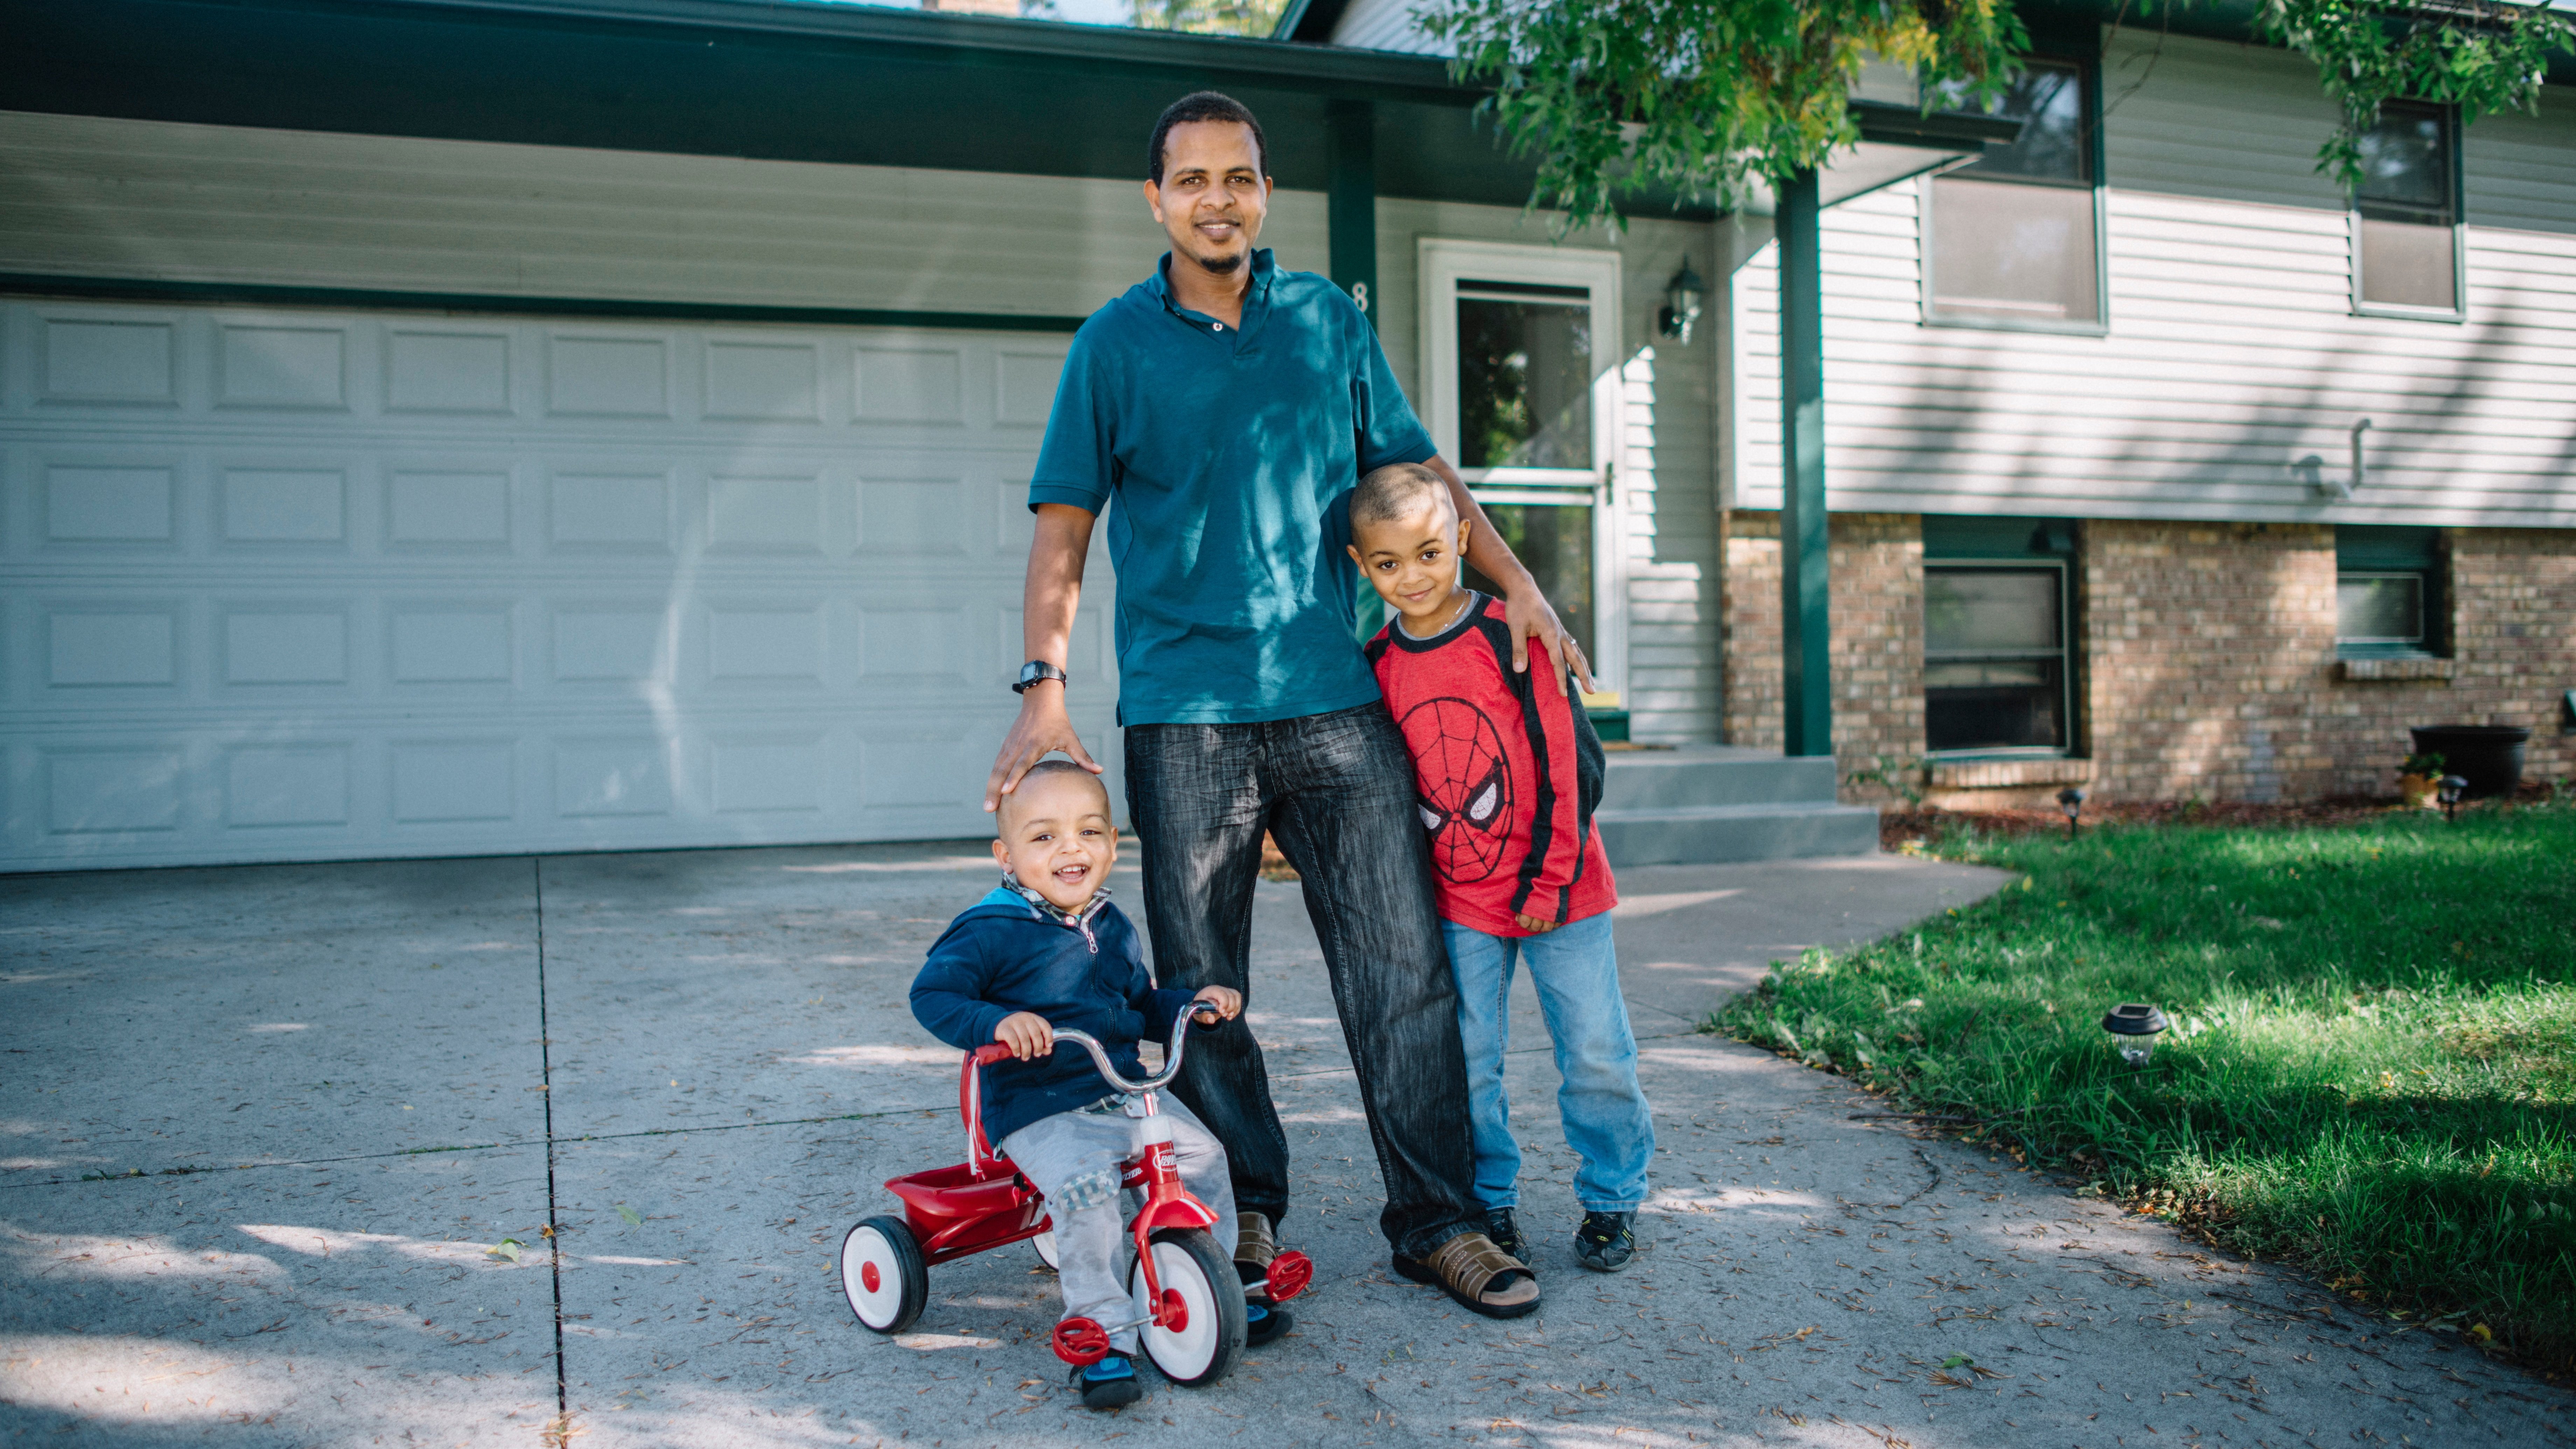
1994	657
1554	542
1524	375
2012	234
2404	210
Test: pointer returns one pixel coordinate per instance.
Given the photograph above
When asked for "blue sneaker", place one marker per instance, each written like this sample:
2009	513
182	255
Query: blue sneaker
1108	1384
1263	1322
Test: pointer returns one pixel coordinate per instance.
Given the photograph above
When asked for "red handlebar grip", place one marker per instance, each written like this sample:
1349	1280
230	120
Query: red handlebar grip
990	1053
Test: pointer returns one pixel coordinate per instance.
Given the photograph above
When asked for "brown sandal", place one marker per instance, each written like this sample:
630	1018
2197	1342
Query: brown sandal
1469	1266
1254	1248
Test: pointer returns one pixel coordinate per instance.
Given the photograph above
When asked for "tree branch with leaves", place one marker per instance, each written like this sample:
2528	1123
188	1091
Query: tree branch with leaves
1709	98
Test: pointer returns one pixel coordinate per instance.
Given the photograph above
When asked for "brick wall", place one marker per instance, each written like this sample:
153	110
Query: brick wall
2207	659
1877	569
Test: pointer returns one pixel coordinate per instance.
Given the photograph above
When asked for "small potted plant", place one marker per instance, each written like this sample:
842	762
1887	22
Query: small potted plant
2419	781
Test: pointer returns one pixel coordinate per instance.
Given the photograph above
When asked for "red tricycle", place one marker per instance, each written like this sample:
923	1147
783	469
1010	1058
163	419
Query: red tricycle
1186	1293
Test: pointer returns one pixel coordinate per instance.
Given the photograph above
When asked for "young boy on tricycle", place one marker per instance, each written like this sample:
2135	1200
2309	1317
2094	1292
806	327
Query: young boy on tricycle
1043	980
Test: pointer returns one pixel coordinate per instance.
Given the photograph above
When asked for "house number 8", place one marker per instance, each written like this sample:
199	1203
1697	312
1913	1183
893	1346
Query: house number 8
1359	295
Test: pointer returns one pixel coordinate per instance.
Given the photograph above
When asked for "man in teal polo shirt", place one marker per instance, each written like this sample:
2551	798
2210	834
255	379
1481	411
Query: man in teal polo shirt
1228	407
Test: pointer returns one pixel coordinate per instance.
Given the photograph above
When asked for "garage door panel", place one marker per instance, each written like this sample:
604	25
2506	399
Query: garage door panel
593	509
300	788
112	360
449	506
273	505
447	371
271	365
97	503
289	584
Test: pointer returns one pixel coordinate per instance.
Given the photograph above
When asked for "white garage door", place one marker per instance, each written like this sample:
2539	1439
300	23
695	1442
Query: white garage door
308	585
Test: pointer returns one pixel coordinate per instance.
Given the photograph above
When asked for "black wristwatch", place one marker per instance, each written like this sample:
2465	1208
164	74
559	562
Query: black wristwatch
1032	672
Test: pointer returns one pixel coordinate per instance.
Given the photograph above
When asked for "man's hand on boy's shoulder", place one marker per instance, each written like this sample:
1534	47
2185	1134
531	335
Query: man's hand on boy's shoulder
1535	926
1026	1033
1227	1001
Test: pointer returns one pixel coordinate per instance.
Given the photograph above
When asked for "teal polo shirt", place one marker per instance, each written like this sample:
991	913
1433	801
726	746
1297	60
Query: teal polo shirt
1230	455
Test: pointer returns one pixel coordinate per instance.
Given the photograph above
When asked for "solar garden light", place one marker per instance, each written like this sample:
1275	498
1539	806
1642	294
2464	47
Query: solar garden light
2133	1026
2070	800
2451	788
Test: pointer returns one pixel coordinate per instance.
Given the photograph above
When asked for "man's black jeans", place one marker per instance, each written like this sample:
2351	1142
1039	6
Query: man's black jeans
1336	791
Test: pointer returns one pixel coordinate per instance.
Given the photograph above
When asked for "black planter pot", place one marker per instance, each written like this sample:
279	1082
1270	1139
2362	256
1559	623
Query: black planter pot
2489	757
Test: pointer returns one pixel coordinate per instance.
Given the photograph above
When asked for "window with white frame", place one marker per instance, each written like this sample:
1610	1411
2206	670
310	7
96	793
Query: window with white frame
2014	238
2405	214
1521	365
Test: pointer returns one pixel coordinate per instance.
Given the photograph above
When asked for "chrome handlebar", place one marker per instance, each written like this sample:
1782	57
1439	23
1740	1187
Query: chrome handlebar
1171	1053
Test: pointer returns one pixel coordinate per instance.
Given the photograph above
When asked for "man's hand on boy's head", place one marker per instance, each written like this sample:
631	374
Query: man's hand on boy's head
1227	1001
1535	926
1027	1035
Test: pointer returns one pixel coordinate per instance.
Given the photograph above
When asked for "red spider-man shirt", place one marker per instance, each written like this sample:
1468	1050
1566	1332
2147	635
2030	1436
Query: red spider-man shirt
1508	772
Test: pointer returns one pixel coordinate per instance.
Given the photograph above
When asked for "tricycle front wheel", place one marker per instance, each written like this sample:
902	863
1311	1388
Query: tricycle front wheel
883	1276
1202	1328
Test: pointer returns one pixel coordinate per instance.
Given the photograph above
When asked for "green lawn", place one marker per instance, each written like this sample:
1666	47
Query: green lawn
2372	1071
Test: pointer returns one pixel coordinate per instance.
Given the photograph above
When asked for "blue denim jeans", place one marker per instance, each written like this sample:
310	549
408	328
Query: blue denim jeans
1336	791
1576	970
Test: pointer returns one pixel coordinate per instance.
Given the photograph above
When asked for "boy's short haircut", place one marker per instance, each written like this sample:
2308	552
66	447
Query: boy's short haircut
1204	106
1048	769
1394	491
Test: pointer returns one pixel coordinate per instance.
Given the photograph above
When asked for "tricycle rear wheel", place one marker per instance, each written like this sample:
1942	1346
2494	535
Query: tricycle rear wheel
1201	1283
883	1276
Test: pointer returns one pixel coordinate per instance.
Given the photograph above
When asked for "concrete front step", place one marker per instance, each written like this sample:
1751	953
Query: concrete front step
1714	775
1711	834
1706	804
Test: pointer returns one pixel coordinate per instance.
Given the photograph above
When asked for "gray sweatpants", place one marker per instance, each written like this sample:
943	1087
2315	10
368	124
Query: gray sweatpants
1076	1159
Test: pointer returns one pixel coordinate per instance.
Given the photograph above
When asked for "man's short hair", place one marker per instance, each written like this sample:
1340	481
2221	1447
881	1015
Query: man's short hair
1203	106
1047	770
1393	492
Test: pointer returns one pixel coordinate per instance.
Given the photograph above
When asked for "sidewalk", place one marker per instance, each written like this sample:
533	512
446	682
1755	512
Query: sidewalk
344	1083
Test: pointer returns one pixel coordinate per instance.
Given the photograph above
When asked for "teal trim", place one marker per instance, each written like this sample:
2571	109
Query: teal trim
2387	548
1974	536
251	294
1351	201
1806	658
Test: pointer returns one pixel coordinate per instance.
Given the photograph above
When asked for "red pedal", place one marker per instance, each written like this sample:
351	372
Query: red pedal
1290	1272
1081	1341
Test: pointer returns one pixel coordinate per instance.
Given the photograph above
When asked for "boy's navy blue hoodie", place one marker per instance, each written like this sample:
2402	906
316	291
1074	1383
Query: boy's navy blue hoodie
1004	955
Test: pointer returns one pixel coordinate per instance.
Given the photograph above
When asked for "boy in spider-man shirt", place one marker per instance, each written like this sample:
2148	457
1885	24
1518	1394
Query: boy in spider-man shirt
1509	771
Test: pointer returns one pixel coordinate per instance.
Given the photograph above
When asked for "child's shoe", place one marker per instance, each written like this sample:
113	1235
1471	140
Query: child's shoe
1264	1322
1108	1384
1505	1230
1605	1242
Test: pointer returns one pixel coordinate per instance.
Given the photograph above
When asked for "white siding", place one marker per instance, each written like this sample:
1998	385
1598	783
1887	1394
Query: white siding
2232	351
1667	467
1385	25
83	196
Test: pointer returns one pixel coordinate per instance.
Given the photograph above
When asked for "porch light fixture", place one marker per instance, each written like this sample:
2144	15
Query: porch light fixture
1682	297
2070	800
2133	1026
2449	792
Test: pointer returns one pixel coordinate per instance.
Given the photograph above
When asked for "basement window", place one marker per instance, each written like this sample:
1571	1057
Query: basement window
2388	590
1998	676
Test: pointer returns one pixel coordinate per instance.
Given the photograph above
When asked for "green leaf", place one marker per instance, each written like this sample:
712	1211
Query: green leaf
1957	1360
633	1218
506	1248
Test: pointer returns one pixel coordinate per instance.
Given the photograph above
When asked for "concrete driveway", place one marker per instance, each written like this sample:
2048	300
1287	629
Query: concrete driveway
342	1086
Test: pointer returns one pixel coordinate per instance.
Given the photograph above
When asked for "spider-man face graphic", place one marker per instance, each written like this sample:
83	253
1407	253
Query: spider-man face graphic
1465	785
